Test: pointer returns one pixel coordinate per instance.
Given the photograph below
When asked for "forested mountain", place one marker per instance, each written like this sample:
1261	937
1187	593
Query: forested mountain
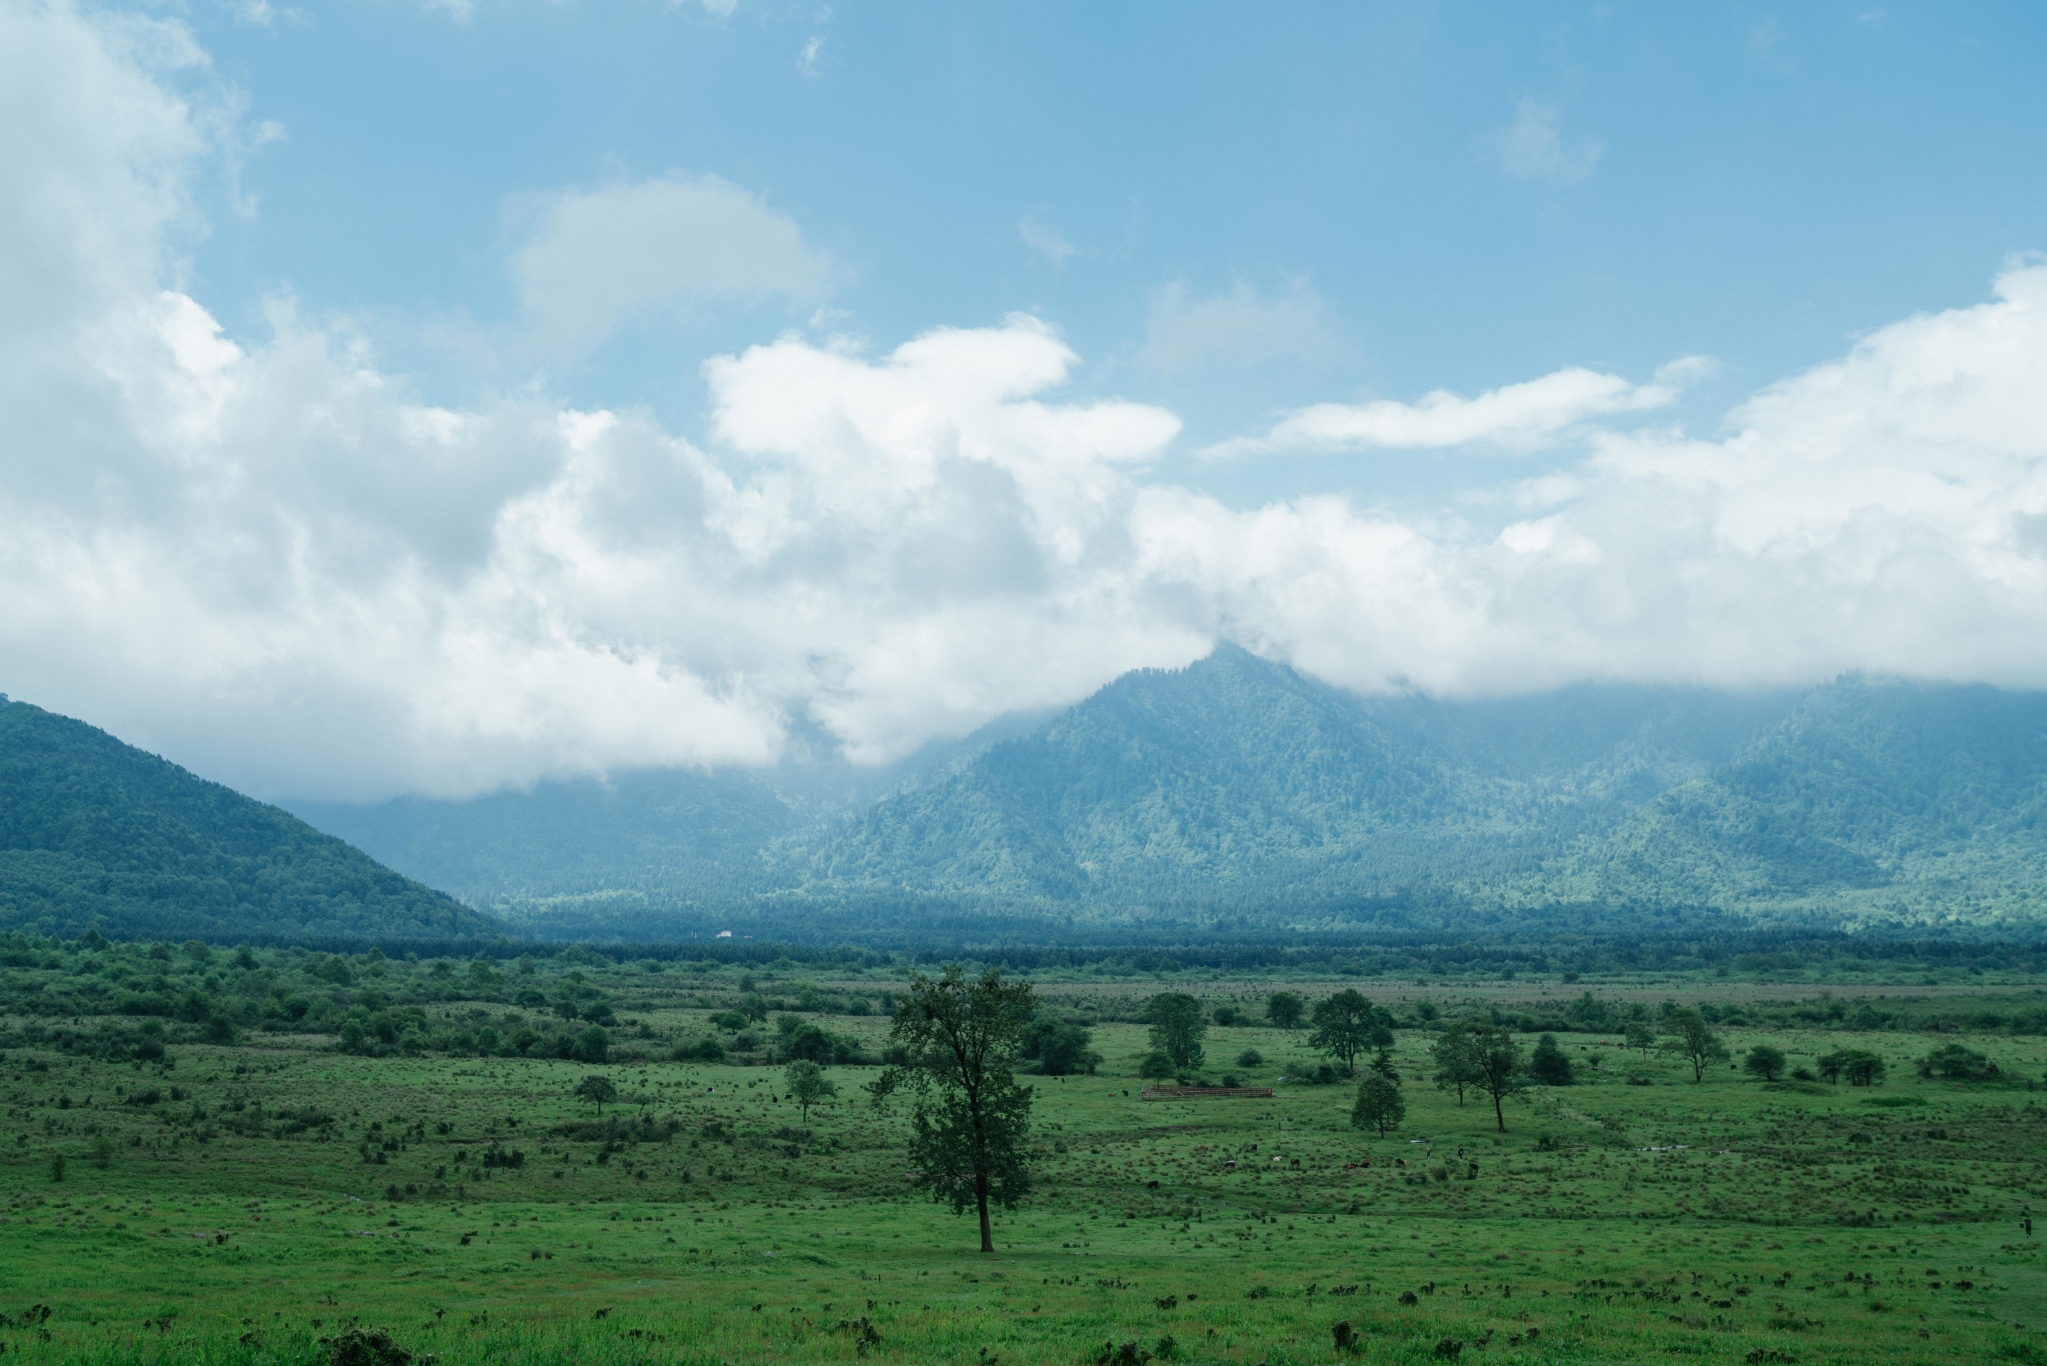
95	834
1236	789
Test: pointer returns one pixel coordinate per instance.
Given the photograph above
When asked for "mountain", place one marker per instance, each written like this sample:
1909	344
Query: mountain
1238	791
1876	801
95	834
1237	783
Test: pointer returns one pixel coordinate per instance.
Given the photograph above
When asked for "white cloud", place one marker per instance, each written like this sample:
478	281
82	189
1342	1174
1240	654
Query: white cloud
1046	240
1521	417
596	259
264	557
1532	147
1241	327
806	60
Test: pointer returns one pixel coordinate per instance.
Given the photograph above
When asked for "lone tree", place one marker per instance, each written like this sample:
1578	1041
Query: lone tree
1765	1062
1693	1040
598	1090
1549	1065
1496	1067
1177	1027
1346	1024
1456	1065
1284	1009
807	1084
959	1040
1379	1105
1640	1036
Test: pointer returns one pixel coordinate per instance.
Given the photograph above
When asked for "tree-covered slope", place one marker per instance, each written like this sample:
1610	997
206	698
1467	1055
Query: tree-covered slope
1872	798
95	834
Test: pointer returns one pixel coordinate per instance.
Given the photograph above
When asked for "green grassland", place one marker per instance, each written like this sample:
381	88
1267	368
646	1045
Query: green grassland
259	1186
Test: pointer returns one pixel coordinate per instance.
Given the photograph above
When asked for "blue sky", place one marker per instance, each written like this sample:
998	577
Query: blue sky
1451	196
444	397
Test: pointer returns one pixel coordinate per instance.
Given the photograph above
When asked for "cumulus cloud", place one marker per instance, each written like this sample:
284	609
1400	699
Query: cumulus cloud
1239	327
1524	416
598	258
1532	147
268	559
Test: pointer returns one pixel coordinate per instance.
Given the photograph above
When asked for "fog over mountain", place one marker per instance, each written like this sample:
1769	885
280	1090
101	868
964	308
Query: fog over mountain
1236	789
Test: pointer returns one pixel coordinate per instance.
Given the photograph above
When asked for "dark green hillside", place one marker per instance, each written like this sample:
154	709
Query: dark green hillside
95	834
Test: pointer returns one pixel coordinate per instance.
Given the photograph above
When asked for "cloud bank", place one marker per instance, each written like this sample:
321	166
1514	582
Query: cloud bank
263	556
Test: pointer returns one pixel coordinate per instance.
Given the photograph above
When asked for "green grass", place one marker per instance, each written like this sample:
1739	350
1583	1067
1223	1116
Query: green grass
1613	1222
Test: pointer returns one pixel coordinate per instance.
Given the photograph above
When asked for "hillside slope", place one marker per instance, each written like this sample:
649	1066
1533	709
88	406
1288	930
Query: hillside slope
1879	800
95	834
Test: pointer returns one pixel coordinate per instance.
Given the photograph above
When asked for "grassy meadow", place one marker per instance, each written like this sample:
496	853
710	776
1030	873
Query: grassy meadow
252	1191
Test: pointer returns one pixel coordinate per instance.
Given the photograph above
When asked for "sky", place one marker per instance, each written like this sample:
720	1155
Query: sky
404	397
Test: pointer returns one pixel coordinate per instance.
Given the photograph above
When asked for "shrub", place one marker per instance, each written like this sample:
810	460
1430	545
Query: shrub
364	1347
593	1045
1953	1062
1156	1066
1250	1057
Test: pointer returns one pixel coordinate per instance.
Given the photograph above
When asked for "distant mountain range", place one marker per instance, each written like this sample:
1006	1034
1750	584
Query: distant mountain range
1238	792
97	835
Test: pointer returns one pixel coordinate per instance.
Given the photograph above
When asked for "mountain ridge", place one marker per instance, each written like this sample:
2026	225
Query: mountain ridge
1239	788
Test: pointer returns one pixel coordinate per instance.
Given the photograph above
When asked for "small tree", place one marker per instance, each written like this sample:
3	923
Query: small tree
1177	1027
1284	1009
1640	1036
1156	1065
807	1084
598	1090
1456	1067
1382	1063
1765	1062
1379	1105
1496	1067
959	1041
1693	1040
1345	1025
1549	1066
1862	1067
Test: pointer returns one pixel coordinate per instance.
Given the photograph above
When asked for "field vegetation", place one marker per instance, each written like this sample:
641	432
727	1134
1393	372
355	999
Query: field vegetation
276	1155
